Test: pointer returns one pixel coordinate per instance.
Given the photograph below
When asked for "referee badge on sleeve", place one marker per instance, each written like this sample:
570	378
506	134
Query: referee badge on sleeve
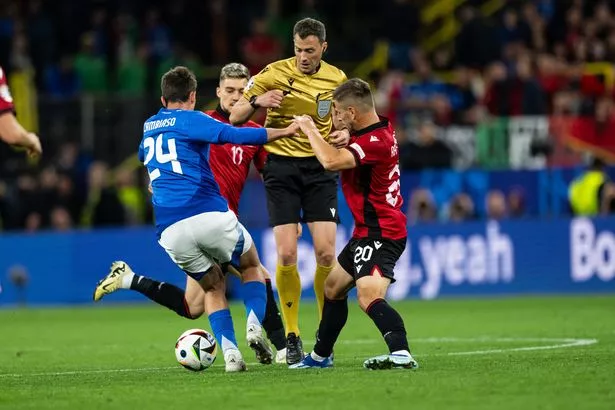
250	84
323	108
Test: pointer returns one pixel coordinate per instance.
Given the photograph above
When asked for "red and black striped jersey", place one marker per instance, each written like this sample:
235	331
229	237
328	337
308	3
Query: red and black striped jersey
372	187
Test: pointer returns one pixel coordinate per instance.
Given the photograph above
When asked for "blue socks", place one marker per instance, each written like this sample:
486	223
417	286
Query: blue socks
255	301
222	325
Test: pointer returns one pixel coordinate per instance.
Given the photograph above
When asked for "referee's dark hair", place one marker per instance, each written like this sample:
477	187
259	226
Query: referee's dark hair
354	91
310	27
177	84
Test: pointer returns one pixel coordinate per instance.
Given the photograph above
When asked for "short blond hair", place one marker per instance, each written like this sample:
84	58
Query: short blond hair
234	70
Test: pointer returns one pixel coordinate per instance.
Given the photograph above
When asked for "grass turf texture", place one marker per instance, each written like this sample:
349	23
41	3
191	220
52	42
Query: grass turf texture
121	357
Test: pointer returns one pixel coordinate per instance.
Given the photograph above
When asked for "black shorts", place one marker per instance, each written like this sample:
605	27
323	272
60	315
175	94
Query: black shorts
368	256
294	185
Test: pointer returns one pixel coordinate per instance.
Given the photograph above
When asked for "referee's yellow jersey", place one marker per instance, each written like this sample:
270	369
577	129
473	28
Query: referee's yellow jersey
303	94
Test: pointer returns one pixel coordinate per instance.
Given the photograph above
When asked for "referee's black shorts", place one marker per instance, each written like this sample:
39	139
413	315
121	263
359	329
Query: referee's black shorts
299	190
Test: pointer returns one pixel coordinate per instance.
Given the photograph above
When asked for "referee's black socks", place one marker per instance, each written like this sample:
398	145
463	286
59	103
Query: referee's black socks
390	324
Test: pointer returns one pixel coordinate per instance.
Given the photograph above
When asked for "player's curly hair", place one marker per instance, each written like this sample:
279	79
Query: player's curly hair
310	27
234	70
177	84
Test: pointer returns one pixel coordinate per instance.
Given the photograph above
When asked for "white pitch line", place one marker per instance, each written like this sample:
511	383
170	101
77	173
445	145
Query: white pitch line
482	339
563	344
560	343
76	372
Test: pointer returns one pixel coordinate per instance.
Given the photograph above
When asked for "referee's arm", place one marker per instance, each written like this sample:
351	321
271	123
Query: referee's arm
244	108
259	92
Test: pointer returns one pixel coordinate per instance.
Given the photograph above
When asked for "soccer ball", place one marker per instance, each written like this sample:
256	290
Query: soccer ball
196	349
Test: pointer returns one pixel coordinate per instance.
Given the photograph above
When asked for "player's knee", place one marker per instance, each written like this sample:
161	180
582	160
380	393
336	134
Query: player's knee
250	260
366	300
333	290
325	256
366	295
194	306
207	285
330	291
287	255
212	280
252	275
195	312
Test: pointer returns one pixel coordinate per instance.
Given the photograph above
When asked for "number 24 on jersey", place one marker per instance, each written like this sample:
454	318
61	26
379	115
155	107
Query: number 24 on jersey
155	147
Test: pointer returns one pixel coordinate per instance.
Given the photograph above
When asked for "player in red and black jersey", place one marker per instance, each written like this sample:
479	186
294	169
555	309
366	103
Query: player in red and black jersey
11	130
230	164
369	168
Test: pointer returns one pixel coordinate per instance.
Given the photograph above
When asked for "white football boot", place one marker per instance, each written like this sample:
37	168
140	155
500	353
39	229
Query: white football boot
113	281
234	361
258	342
391	361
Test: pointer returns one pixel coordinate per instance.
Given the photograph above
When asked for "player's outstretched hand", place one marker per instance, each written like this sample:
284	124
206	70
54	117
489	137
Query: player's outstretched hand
276	133
305	122
35	149
271	99
340	138
292	130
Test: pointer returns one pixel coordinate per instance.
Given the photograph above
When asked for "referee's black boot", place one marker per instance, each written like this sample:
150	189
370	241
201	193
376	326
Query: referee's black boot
294	349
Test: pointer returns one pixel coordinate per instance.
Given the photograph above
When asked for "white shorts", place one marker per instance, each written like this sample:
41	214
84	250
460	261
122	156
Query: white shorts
195	244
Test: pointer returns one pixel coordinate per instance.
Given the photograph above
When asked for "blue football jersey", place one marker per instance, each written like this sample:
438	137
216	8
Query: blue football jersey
175	150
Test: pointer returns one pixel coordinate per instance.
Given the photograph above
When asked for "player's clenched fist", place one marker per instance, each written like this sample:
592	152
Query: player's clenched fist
271	99
305	122
340	138
34	150
292	130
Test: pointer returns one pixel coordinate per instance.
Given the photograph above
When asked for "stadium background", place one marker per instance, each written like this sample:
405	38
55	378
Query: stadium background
498	107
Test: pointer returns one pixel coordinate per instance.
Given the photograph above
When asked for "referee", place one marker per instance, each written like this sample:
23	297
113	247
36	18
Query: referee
298	187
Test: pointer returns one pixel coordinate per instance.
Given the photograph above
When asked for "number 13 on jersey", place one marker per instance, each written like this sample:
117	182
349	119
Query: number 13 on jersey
152	147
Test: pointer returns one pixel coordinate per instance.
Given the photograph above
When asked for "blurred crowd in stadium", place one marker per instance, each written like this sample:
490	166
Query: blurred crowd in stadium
528	58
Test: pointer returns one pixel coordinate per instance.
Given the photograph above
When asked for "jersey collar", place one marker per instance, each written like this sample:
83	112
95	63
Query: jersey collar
383	123
296	69
170	109
223	113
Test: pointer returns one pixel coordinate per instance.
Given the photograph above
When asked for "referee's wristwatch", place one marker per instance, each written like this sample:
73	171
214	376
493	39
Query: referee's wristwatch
253	102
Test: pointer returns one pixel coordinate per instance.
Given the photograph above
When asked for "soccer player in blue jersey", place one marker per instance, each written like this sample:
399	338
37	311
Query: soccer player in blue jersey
193	221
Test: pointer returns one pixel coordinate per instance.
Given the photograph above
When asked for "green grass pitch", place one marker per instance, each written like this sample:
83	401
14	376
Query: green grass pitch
513	353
